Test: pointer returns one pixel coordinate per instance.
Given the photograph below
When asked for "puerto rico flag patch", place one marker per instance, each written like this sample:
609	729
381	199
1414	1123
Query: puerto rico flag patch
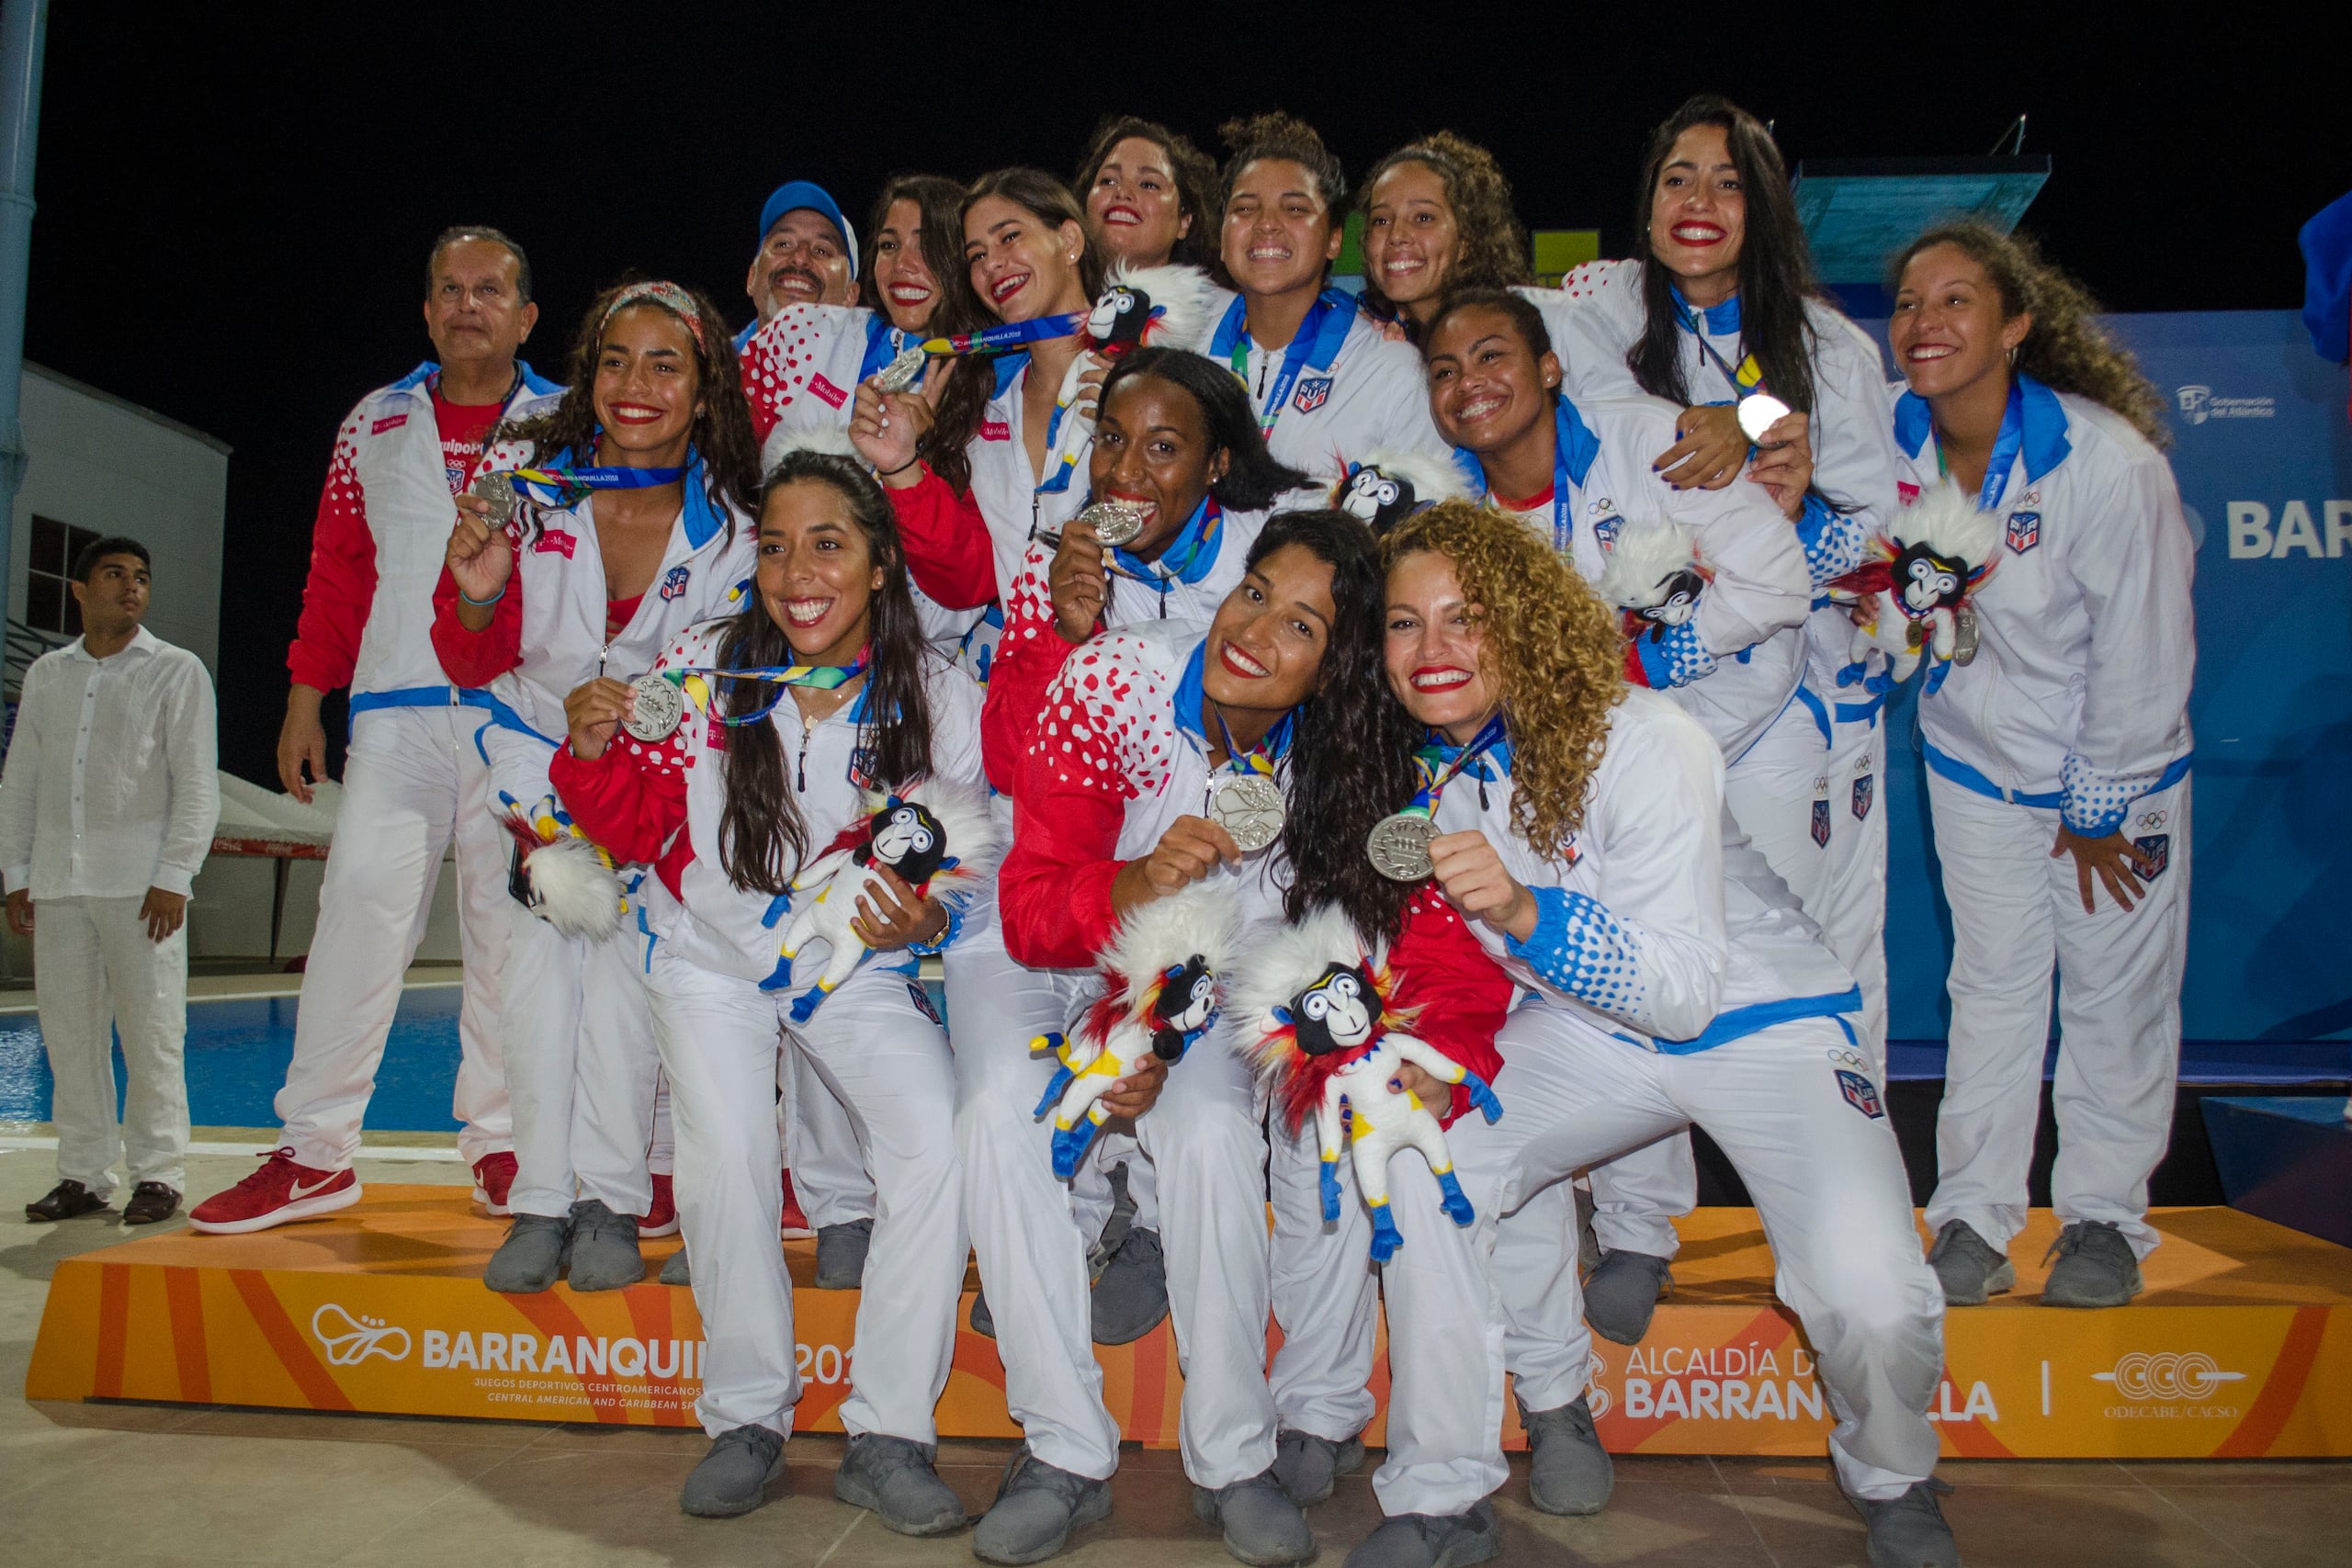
2025	531
1861	1093
2155	853
1312	394
1864	788
1821	823
675	584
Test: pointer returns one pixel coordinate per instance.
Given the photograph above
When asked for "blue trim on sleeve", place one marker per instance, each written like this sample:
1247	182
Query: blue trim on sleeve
1579	947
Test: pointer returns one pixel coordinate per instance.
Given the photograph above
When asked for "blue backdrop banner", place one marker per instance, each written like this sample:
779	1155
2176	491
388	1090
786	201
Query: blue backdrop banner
2264	456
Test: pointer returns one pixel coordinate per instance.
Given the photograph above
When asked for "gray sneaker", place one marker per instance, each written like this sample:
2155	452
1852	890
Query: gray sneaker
1568	1469
1262	1526
1967	1266
1432	1540
2097	1267
1307	1465
1908	1531
983	1321
1622	1291
841	1253
531	1258
1036	1507
1132	1295
733	1476
894	1478
603	1248
678	1271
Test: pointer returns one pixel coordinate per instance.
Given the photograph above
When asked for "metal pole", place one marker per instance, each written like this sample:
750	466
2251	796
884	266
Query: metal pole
24	34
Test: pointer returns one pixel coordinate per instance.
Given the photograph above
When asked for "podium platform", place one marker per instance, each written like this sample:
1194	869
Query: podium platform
2241	1348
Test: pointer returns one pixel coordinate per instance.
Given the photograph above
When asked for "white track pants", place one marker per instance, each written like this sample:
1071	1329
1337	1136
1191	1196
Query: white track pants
1828	1185
2017	916
581	1067
95	971
829	1175
1204	1136
412	780
888	1062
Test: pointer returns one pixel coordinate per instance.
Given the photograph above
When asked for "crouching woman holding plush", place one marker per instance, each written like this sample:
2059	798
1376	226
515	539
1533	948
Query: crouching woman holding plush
813	722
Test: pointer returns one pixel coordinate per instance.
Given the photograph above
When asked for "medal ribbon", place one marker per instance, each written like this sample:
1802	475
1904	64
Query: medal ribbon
2005	452
558	489
1198	540
1437	773
1316	343
1236	760
1748	377
694	681
1011	334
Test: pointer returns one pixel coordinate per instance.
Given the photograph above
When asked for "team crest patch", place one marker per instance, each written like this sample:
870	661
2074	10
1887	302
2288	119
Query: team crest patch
921	998
862	767
1861	1093
1864	788
1605	530
1313	393
2155	853
675	584
2025	531
1821	823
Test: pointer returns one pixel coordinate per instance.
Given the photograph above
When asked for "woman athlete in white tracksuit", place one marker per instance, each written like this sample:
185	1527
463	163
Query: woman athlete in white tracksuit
2058	760
759	779
594	583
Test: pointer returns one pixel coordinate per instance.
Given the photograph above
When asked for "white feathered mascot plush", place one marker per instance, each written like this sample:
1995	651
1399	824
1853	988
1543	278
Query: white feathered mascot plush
1386	488
1140	307
786	439
938	837
1654	575
1162	975
572	884
1912	592
1318	1026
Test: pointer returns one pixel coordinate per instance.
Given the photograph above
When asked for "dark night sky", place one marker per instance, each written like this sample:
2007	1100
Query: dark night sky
236	201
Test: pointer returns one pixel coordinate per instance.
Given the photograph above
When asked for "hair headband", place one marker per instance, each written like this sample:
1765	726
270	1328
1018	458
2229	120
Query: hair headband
668	295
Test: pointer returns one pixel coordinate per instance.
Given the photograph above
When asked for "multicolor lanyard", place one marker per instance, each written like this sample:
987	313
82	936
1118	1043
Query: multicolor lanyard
1747	377
1011	334
1198	539
1564	517
1260	762
559	489
695	681
1316	343
1436	773
2005	452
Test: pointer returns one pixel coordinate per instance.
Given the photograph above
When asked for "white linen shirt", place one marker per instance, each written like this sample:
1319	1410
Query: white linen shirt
110	787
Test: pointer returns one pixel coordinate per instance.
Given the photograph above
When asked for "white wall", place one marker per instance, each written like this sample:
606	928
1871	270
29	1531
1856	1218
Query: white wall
97	462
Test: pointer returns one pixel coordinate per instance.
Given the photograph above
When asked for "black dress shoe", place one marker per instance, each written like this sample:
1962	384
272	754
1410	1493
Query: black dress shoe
150	1201
65	1201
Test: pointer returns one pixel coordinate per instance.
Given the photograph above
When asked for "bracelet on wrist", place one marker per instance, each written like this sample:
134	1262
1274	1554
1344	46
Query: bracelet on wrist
466	598
889	473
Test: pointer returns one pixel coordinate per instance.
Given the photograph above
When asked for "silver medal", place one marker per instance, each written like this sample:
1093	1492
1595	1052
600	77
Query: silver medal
1759	411
1963	633
904	369
499	490
655	708
1249	806
1115	525
1399	846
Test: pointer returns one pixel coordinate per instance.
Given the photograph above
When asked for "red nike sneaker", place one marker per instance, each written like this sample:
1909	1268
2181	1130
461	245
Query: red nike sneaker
663	1218
493	1180
796	1223
280	1191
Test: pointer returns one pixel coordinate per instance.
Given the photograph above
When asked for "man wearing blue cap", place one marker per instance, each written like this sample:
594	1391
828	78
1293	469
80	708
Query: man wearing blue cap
807	253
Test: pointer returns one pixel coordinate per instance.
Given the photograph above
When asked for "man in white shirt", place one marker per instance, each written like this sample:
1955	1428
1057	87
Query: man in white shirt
107	805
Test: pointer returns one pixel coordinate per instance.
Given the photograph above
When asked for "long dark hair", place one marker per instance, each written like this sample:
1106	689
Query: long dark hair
1252	478
2066	349
1493	247
763	838
939	199
1775	265
722	431
1195	171
1351	747
973	382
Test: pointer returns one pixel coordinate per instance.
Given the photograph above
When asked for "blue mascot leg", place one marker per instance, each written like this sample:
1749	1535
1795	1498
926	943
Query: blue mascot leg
1054	1090
781	980
1385	1237
1070	1147
1457	1202
806	1004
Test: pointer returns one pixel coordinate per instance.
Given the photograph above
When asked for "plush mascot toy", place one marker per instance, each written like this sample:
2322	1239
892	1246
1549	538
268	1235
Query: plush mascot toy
1652	574
937	838
1388	487
1319	1027
1914	589
1140	307
1161	979
558	874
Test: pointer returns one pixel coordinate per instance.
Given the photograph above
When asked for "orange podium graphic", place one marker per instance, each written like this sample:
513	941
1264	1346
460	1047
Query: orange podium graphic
2241	1348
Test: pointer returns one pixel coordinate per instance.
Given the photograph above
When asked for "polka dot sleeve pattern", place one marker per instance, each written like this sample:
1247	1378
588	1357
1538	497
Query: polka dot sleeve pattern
1832	541
2095	803
1675	659
341	588
1582	950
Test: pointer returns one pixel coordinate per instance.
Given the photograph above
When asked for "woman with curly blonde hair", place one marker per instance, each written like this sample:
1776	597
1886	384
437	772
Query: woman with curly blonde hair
1669	981
1437	216
2058	757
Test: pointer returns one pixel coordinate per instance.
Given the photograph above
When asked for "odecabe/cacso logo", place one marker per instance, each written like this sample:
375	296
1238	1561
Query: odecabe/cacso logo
2199	405
349	1340
2186	1376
